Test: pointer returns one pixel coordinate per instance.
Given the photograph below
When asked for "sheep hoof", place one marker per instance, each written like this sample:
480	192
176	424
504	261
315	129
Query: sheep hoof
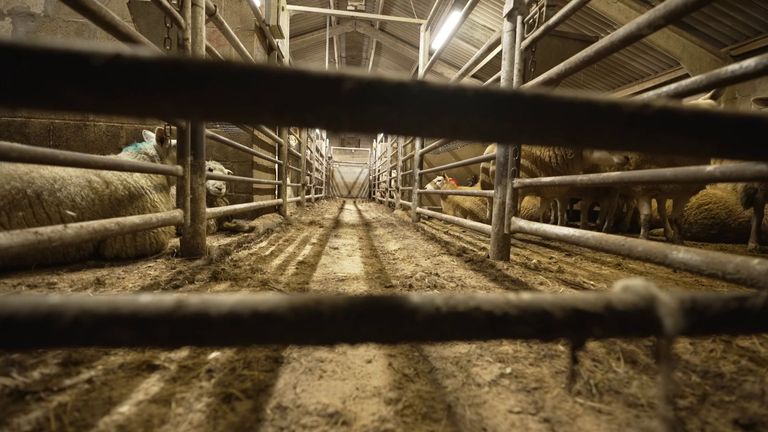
755	248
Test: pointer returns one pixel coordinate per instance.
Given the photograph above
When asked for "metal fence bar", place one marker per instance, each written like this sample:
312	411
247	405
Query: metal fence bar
224	177
745	270
459	192
105	19
372	105
215	212
648	23
560	17
35	322
14	242
12	152
435	145
464	223
733	73
236	145
729	173
213	14
461	163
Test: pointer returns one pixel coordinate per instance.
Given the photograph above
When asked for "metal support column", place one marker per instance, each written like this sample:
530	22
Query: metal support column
415	196
499	248
398	180
388	175
512	205
303	137
193	243
283	172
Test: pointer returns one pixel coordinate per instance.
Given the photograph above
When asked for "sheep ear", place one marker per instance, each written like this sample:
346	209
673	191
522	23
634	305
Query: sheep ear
160	138
229	172
149	136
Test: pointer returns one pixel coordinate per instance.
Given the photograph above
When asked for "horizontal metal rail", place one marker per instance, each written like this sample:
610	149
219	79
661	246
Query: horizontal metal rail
405	173
745	270
12	152
290	167
14	242
243	148
295	199
224	177
729	173
733	73
461	163
435	145
464	223
270	134
560	17
216	212
107	20
646	24
405	203
459	192
293	152
406	188
373	105
407	156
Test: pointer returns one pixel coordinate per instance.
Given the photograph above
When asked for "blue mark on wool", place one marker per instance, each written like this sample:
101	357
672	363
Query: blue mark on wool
138	147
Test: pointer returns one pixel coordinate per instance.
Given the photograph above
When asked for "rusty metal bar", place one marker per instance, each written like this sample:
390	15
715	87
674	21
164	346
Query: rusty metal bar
745	270
459	192
733	73
13	242
38	321
655	19
243	148
464	223
729	173
215	212
12	152
213	14
461	163
371	105
105	19
560	17
224	177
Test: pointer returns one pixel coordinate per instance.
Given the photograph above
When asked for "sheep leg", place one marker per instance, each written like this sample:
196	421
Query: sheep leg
661	207
608	209
562	212
755	234
644	206
678	205
627	221
584	213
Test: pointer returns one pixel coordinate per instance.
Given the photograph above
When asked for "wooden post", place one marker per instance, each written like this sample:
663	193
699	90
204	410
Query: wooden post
499	248
398	183
282	171
193	242
304	136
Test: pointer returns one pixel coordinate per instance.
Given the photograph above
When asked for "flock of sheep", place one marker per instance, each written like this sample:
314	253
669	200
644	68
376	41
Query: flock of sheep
39	195
715	213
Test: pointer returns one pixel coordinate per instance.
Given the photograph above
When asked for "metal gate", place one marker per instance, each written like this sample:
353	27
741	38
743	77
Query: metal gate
349	172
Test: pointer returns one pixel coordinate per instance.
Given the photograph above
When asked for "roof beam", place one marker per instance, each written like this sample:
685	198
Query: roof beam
400	45
379	9
482	55
306	39
350	14
465	12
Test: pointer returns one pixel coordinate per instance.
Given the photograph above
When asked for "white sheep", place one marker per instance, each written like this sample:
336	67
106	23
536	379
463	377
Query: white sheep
466	207
39	195
215	196
542	161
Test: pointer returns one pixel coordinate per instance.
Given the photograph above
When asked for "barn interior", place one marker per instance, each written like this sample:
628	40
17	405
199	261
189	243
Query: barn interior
285	215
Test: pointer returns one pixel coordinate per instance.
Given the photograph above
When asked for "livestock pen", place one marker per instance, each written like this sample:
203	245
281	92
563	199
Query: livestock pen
343	314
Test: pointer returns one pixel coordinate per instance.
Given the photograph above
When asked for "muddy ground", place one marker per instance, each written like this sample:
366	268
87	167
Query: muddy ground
355	248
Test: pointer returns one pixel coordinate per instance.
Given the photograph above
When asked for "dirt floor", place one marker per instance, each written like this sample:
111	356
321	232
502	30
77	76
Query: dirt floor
359	247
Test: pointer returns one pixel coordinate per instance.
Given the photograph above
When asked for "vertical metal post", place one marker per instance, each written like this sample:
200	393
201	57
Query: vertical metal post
303	136
182	134
283	172
499	248
511	208
327	40
312	182
388	175
193	242
415	196
423	50
326	166
398	184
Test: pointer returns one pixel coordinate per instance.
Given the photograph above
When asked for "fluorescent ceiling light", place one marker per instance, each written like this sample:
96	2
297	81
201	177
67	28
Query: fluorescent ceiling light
448	26
257	3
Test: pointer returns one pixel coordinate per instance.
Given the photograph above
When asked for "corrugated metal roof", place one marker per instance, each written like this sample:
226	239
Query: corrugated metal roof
722	25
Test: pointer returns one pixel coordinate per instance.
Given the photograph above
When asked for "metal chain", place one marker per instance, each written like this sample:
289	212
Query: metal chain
167	41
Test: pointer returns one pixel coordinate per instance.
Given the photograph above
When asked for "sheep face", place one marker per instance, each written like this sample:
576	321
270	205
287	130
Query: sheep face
217	188
437	183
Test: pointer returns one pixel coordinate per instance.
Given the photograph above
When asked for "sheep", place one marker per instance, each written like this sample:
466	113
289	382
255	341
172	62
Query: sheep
679	194
37	195
467	207
541	161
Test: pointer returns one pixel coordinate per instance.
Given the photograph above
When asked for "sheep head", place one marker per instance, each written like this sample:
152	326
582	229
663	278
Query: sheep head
216	188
